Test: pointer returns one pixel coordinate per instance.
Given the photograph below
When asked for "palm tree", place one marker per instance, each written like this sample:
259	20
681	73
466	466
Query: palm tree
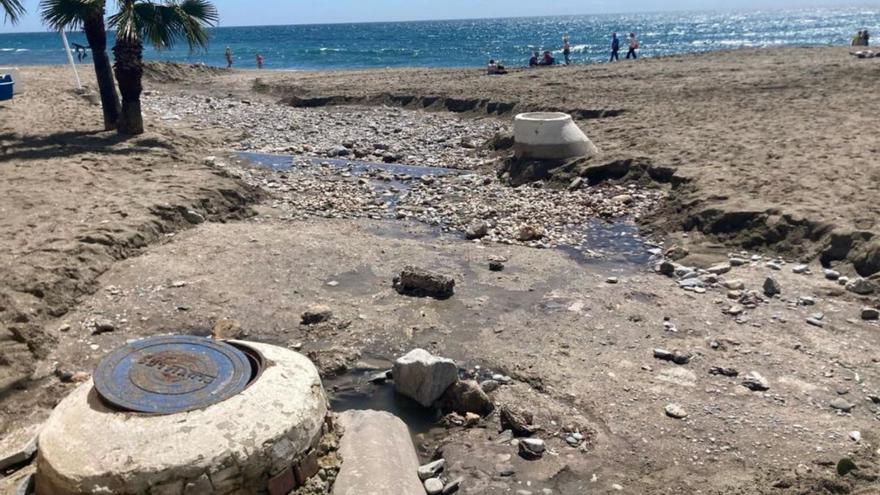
88	14
161	24
13	9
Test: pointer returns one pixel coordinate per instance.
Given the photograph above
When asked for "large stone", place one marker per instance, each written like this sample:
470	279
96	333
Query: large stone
467	397
85	447
378	456
18	446
861	286
519	422
771	287
418	282
423	376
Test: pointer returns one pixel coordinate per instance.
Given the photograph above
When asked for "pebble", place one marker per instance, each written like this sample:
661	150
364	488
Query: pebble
856	436
841	404
861	286
815	322
771	287
719	269
532	447
103	326
754	381
800	269
452	486
612	280
870	314
431	469
433	486
831	274
675	411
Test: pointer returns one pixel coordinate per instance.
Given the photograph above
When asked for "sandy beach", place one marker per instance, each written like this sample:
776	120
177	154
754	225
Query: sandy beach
726	169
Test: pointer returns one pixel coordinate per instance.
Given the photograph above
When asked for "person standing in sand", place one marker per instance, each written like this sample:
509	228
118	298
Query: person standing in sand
259	61
866	38
633	46
566	49
615	48
228	58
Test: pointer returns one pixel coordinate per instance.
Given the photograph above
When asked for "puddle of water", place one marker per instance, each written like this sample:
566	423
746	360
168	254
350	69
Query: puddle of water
354	391
611	245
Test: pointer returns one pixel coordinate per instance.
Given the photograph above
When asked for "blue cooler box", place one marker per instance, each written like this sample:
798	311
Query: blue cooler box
6	87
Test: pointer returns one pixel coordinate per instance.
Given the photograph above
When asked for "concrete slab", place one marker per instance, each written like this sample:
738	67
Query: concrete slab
378	456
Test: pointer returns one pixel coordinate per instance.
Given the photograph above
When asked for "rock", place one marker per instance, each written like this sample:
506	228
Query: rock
496	266
841	404
489	386
771	287
675	411
612	280
193	217
519	422
226	329
423	377
379	456
666	268
737	261
676	357
861	286
690	283
423	283
855	436
806	301
476	230
528	233
433	486
719	269
431	469
717	370
452	486
831	274
466	397
576	184
734	284
338	151
815	322
316	314
800	269
18	446
624	199
870	314
735	310
103	326
754	381
531	448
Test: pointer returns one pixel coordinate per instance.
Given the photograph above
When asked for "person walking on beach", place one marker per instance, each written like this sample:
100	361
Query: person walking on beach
615	48
228	58
566	49
633	46
259	61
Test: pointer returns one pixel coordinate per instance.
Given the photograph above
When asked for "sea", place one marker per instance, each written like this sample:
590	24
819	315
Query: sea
471	43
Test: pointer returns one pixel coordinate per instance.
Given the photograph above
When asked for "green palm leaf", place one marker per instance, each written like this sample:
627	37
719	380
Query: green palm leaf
164	24
69	14
13	10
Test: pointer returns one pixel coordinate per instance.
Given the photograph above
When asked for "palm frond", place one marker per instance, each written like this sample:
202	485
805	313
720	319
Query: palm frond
69	14
12	9
163	25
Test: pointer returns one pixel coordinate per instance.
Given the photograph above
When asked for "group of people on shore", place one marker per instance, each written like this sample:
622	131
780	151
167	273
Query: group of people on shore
862	38
547	59
228	55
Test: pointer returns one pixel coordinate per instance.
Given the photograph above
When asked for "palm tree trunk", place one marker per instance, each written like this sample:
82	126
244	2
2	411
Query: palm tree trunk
96	33
129	70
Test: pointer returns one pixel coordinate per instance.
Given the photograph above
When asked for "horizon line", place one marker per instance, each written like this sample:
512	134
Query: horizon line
549	16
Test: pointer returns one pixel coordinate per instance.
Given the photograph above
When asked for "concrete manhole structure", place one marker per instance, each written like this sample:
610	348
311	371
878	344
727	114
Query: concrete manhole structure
186	415
550	136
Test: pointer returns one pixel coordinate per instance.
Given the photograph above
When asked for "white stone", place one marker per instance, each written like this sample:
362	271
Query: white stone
550	136
378	456
422	376
433	486
87	448
431	469
18	446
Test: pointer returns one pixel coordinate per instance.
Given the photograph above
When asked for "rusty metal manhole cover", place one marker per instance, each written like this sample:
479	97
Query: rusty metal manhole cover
165	375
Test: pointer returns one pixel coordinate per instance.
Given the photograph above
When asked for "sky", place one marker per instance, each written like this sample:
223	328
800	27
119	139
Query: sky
263	12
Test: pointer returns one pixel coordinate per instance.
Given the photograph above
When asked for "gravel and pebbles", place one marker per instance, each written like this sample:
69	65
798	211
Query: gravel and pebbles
338	170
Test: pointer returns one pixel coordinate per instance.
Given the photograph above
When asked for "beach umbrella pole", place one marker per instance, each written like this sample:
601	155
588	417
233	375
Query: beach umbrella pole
70	59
